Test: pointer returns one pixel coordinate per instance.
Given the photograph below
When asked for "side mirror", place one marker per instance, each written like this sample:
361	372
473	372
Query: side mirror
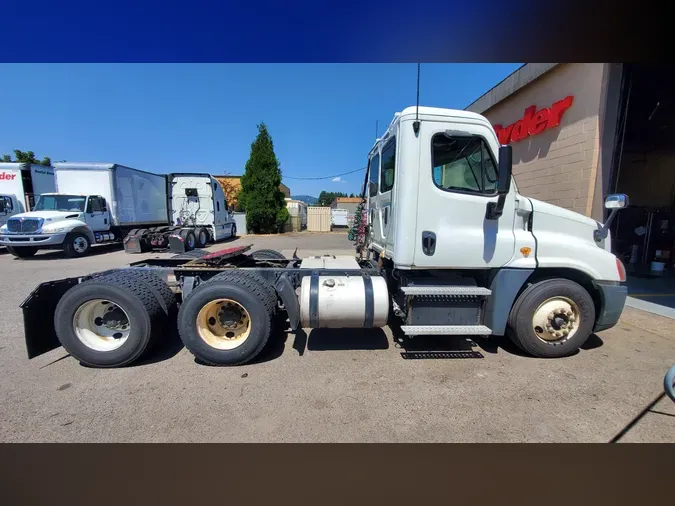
496	209
505	169
614	201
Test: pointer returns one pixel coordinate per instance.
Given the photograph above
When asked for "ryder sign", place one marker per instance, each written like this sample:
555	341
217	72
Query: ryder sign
534	122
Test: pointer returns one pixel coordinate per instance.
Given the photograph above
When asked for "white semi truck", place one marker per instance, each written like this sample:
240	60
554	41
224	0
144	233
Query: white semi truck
100	203
20	184
451	248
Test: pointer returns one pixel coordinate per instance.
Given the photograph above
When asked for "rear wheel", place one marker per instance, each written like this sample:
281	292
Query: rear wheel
189	239
552	318
76	245
109	321
202	237
228	319
22	251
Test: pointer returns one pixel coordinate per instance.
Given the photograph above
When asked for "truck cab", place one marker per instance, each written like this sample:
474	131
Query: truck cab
68	221
9	206
445	218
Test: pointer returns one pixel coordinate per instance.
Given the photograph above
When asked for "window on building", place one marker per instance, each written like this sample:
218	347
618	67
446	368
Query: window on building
388	166
373	171
463	164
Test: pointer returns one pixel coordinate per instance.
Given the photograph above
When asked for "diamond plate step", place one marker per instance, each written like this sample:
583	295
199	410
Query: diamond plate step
446	330
445	290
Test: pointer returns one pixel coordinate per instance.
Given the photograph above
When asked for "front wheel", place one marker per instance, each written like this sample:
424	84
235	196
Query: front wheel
76	245
552	318
22	251
234	231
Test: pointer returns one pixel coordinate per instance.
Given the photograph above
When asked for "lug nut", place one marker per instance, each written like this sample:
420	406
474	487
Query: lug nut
558	333
572	318
566	332
551	315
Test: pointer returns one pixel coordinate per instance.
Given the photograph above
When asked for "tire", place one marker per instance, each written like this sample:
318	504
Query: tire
189	239
22	251
138	302
164	295
202	237
526	312
234	231
191	255
242	291
267	254
76	245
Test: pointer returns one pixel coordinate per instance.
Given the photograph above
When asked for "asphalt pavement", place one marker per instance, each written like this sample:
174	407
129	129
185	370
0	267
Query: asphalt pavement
331	385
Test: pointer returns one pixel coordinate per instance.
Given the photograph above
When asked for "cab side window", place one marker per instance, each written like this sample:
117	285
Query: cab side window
373	172
463	164
96	205
388	166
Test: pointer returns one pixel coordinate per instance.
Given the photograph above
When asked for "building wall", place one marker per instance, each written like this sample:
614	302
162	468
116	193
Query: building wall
558	165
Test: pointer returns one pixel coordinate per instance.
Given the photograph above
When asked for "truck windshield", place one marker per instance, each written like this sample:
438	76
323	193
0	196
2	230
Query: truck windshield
60	203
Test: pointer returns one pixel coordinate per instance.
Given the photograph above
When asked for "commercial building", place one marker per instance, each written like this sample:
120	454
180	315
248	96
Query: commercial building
582	130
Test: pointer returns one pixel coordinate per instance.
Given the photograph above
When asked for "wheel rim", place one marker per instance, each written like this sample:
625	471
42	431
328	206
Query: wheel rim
191	241
202	237
80	244
101	325
556	319
224	324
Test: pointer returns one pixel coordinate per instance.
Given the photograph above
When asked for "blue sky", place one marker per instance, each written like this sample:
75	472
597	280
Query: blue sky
194	117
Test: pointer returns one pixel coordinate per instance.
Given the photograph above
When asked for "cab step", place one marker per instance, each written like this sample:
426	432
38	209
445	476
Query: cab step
446	330
446	290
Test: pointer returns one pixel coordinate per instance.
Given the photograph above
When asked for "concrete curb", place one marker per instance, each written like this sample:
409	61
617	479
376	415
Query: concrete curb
650	307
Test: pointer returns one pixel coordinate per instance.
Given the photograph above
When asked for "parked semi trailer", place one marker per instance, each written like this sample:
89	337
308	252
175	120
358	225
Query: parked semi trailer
103	203
451	248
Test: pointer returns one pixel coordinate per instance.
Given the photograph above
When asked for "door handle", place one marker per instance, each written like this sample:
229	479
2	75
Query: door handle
386	214
428	243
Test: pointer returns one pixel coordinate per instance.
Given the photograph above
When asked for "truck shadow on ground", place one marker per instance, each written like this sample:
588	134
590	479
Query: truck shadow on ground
493	344
60	255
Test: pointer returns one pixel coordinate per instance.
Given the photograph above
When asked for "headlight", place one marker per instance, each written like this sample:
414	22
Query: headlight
3	229
53	230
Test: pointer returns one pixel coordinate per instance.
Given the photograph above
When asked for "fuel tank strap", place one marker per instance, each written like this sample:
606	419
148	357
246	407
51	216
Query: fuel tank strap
314	301
370	302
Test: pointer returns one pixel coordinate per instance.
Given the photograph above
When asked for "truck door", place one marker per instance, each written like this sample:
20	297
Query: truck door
6	208
97	214
458	179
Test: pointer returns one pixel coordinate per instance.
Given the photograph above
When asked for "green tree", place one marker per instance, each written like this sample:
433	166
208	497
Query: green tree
27	157
260	195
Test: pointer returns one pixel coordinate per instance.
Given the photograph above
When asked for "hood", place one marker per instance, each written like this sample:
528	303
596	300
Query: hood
50	216
540	207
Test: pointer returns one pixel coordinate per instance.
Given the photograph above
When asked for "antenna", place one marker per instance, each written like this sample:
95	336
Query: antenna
416	123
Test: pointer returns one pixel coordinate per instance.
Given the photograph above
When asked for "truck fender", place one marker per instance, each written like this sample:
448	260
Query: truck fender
287	294
505	288
83	229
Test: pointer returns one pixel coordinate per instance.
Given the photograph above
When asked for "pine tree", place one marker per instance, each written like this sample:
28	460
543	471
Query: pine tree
260	195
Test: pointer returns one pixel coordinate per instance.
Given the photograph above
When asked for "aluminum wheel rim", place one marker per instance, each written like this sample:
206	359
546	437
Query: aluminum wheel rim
202	237
80	244
191	240
224	324
556	319
101	325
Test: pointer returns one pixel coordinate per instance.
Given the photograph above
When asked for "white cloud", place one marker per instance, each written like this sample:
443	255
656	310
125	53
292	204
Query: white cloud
337	180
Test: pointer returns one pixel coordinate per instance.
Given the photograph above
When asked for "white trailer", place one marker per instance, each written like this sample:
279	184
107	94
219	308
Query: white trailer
20	184
451	248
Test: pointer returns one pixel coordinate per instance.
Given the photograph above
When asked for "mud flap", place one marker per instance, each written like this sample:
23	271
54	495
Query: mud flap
38	316
132	242
176	243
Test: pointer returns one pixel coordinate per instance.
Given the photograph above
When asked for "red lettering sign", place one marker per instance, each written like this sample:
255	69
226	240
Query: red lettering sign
7	175
534	122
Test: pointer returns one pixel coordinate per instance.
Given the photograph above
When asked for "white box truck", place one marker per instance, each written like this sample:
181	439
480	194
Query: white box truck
94	203
451	248
20	184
